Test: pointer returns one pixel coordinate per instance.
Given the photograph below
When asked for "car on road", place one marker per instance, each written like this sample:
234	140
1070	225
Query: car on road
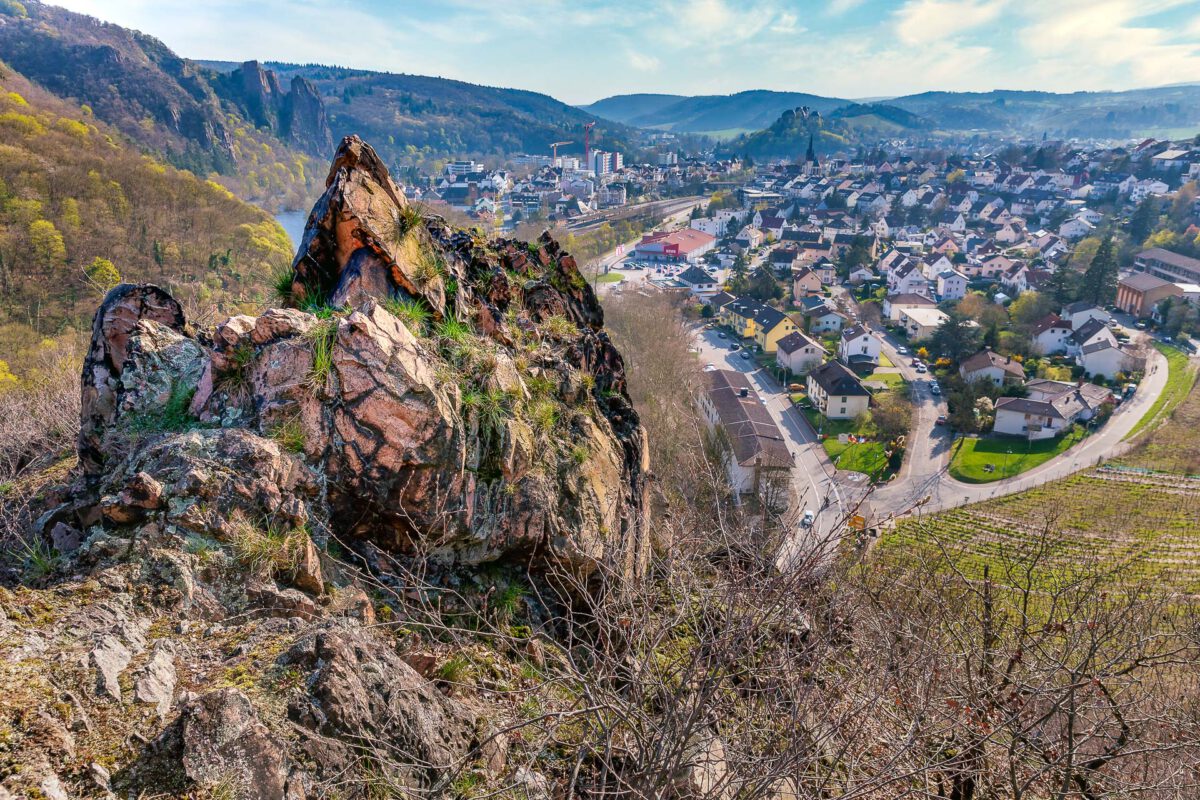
935	389
735	346
808	519
746	354
941	420
914	362
720	334
902	351
710	367
1141	326
922	369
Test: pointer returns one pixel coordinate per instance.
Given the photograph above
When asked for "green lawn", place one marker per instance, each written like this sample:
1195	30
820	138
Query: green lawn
1180	379
610	277
868	458
884	361
894	380
971	456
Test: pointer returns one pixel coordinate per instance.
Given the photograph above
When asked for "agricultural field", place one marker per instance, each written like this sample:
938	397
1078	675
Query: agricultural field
1138	515
1145	525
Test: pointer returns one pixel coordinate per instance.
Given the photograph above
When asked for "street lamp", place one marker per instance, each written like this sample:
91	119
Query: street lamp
1006	460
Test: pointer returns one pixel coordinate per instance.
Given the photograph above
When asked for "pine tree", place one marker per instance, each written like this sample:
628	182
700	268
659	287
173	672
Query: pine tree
1099	284
1142	224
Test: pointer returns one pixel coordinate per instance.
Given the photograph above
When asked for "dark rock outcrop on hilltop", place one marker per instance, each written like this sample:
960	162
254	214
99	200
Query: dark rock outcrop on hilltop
429	402
452	396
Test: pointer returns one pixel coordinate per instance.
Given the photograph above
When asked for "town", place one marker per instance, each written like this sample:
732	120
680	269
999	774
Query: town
903	323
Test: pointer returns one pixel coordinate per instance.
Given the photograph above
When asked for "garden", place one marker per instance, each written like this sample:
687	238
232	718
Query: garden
993	458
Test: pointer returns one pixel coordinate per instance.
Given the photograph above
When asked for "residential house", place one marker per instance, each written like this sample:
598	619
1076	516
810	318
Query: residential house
836	392
1050	408
1090	332
908	279
951	285
859	347
805	282
1139	293
894	304
1075	229
1051	335
758	448
819	317
1080	312
798	353
749	238
826	270
699	282
988	365
753	320
921	323
1104	359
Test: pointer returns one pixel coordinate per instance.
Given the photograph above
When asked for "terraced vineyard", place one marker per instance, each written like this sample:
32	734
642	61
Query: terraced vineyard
1144	525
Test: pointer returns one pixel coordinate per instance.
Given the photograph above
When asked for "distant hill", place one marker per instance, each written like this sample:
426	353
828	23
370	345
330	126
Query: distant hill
1165	111
788	135
744	111
415	118
73	191
242	127
628	107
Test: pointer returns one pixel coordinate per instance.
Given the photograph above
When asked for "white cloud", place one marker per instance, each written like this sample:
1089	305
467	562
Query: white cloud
1109	44
837	7
925	21
643	62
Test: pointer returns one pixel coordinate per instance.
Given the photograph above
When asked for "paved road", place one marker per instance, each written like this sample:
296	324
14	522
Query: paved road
813	478
939	491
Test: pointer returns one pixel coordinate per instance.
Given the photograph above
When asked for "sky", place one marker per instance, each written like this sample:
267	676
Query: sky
582	50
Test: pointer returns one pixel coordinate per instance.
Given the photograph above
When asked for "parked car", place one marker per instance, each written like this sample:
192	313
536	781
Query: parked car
902	351
941	420
735	346
914	362
808	519
1141	326
746	354
720	334
921	369
935	389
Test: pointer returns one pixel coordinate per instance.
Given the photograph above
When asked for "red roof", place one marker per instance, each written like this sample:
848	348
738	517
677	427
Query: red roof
685	239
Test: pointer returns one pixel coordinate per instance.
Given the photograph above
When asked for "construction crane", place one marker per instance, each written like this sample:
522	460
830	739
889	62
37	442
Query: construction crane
555	145
587	150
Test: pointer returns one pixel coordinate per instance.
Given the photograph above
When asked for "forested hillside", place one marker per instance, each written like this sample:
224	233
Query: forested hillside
417	119
174	108
81	210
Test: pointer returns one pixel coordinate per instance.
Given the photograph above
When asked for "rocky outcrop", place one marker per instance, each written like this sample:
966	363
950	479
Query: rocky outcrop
440	395
297	115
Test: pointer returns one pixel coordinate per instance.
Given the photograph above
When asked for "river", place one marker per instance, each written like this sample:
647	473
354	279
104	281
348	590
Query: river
293	222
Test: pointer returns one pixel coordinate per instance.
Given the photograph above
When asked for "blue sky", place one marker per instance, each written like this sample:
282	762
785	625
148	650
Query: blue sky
582	50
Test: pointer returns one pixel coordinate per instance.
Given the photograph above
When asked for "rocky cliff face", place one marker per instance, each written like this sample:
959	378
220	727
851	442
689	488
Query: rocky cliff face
426	398
297	115
455	397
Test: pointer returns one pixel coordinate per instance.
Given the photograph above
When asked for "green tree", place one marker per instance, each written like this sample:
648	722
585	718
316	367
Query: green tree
102	274
763	285
1063	286
1144	220
46	243
1099	283
956	338
1030	307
